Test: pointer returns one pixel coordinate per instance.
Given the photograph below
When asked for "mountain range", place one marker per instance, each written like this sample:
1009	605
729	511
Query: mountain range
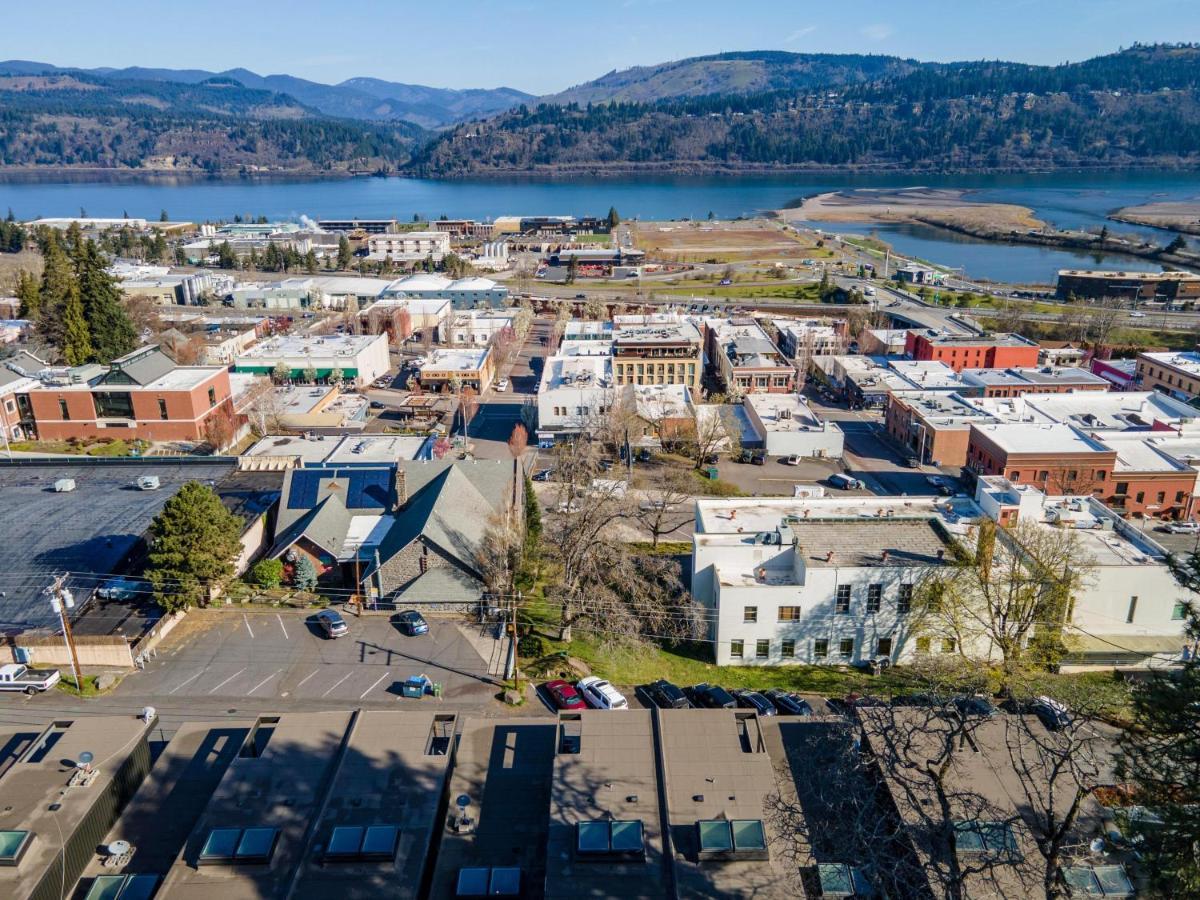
732	112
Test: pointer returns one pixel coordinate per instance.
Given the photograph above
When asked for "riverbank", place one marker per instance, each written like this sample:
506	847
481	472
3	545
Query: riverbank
1181	216
914	205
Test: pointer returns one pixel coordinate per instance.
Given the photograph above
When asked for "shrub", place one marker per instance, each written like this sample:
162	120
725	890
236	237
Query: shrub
531	646
267	573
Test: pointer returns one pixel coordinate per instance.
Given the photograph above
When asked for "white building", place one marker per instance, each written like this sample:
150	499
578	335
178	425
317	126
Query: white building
409	245
575	390
464	293
477	327
360	358
802	339
784	425
824	581
469	366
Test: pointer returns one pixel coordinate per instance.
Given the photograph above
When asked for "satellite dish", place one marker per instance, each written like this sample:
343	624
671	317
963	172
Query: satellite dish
462	801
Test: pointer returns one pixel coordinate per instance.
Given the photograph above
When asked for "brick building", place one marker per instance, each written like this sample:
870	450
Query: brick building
744	359
996	351
143	395
1174	374
658	352
1134	286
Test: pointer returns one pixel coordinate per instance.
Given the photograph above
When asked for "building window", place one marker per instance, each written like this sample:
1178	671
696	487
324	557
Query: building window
63	411
212	396
846	648
820	648
1122	488
750	614
904	604
1014	475
162	408
735	649
922	645
1042	476
787	649
1072	475
1141	496
1161	497
1179	495
883	647
948	645
1178	612
874	596
789	614
1132	611
843	599
762	649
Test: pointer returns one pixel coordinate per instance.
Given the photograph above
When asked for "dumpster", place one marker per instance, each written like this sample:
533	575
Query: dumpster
413	688
710	472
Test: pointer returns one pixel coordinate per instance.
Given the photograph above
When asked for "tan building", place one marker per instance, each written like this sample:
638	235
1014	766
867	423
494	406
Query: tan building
469	366
658	353
1175	374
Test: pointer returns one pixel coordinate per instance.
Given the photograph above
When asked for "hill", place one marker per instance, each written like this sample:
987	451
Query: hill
85	120
1137	107
370	99
753	72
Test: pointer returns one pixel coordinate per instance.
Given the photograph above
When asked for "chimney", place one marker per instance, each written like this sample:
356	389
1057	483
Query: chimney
941	553
399	488
829	556
883	556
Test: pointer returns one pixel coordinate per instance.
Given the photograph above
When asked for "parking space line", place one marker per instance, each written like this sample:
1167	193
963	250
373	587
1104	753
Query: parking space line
306	677
264	681
248	628
375	685
185	683
281	628
227	680
336	683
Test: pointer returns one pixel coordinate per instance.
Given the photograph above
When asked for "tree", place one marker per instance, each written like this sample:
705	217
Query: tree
308	374
220	427
262	409
76	342
53	294
194	542
163	217
663	511
310	262
1177	243
1010	594
304	573
226	258
468	405
112	334
29	294
1160	758
595	307
614	218
572	269
336	376
517	442
344	256
282	372
533	517
267	573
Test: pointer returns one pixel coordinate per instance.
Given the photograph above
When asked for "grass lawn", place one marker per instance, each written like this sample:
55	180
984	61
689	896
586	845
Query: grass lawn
807	292
67	685
111	448
592	239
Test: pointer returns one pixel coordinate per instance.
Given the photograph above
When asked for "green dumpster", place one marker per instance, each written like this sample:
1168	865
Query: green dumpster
413	687
711	473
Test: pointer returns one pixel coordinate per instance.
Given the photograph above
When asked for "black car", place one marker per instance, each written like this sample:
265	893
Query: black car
710	696
412	623
1051	713
755	701
665	695
912	462
745	456
759	457
920	700
789	704
974	706
842	706
543	475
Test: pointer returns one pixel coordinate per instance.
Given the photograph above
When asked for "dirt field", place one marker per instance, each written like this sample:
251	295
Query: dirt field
11	266
908	205
723	241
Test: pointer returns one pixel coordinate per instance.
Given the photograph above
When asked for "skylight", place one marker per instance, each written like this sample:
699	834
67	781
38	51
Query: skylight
239	845
13	845
359	842
732	839
1097	881
990	839
606	837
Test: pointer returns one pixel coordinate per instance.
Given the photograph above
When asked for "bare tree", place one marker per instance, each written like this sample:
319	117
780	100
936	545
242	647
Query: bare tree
595	307
220	427
517	442
664	511
263	409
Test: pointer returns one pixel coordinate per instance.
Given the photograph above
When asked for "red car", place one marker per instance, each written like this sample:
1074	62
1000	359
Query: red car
564	695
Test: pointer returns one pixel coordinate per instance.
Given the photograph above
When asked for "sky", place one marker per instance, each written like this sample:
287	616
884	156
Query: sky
543	47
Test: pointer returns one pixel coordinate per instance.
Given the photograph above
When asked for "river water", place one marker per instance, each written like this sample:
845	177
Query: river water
1067	200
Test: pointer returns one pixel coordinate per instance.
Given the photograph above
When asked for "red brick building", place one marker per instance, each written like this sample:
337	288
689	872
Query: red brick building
143	395
997	351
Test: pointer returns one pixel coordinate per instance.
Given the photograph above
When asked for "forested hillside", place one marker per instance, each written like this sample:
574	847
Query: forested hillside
1137	107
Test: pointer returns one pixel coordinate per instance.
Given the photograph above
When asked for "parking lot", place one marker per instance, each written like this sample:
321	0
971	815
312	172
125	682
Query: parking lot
283	654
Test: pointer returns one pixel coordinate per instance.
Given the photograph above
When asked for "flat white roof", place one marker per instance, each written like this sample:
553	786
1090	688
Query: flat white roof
584	372
1094	410
1049	438
739	515
927	374
783	412
341	448
294	345
1187	361
1137	453
464	360
183	378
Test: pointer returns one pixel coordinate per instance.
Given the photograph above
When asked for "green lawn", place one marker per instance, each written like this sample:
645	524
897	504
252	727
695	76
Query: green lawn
111	448
67	685
806	292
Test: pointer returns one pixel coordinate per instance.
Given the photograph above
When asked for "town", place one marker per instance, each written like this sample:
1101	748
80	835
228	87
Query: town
556	556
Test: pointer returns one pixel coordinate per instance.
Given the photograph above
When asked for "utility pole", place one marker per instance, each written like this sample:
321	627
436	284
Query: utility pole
61	600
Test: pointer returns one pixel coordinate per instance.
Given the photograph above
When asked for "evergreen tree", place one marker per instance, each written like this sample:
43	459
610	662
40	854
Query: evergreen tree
226	258
304	575
163	217
193	544
30	296
112	333
614	219
57	280
76	343
533	517
310	262
344	255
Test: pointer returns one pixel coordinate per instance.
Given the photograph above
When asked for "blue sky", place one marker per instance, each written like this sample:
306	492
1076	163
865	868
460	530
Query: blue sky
542	47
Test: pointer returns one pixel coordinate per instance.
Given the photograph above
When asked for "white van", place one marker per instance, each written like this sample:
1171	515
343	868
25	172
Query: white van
845	482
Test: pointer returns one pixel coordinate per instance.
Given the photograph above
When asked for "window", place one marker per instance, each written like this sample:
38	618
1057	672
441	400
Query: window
1072	475
1179	496
883	647
846	648
1122	487
1014	475
162	408
1132	610
948	645
744	838
843	599
904	603
616	837
113	404
13	845
735	649
63	411
1097	881
1161	497
922	645
239	845
355	842
750	614
787	649
1178	612
1043	475
212	396
762	649
874	596
820	648
1141	496
789	614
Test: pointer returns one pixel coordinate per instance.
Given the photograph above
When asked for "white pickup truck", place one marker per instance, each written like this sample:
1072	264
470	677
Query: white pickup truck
17	677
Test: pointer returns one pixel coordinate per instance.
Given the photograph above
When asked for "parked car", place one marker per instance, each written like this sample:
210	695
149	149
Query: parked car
502	385
1182	527
919	700
644	455
843	705
1054	715
543	475
939	484
564	696
710	696
974	705
121	588
755	701
665	695
793	460
600	694
332	623
845	482
725	282
759	457
745	456
912	462
17	677
874	665
787	703
412	623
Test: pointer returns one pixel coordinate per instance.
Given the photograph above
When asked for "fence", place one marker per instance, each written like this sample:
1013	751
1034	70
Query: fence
99	651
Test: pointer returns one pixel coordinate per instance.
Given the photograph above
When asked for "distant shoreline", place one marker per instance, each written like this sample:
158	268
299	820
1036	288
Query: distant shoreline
945	206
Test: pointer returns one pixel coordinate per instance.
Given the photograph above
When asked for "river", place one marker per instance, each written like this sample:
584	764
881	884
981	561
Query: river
1065	199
